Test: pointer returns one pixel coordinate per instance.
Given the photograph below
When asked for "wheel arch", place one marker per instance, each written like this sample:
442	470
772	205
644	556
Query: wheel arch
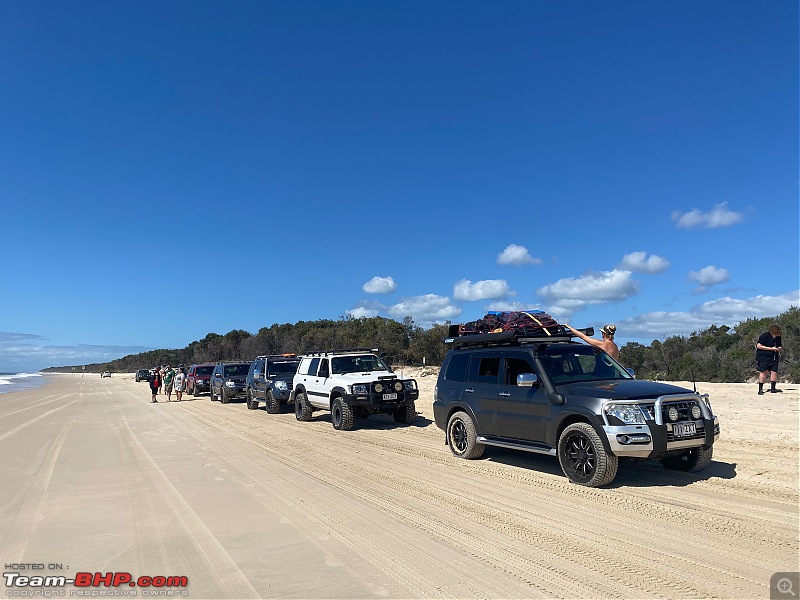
579	417
451	410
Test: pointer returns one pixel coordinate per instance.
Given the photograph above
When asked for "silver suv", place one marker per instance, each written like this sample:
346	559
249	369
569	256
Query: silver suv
351	383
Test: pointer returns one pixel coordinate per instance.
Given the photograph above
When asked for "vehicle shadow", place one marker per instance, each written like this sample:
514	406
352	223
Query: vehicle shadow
379	422
631	473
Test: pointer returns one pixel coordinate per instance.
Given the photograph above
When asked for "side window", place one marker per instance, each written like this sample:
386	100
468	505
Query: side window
313	366
258	368
484	369
516	366
323	368
457	367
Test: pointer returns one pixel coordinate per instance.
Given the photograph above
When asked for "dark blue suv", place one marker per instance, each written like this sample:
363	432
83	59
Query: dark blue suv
270	381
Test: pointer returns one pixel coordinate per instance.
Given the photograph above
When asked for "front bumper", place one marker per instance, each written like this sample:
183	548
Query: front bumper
377	403
653	441
202	386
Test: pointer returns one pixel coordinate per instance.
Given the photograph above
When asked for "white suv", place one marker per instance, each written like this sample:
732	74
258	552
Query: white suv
351	383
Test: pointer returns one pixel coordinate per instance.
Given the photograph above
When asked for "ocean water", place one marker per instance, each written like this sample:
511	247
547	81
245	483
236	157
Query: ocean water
14	382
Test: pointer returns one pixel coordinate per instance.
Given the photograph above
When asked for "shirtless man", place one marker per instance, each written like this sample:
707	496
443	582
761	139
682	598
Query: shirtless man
607	343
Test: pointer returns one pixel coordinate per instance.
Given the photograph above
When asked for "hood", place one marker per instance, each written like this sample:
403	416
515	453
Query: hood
625	389
365	377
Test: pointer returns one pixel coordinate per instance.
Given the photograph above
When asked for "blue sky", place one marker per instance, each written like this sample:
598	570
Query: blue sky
170	169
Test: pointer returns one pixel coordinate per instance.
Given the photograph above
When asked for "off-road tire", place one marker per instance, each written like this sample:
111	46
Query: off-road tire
462	437
194	391
211	392
693	461
583	458
405	414
222	395
302	409
273	404
250	404
341	414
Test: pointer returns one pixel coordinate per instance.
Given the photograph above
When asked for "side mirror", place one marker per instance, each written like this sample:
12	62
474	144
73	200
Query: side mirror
527	379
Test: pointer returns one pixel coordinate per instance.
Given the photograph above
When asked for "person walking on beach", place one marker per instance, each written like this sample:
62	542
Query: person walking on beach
180	382
169	374
607	343
768	349
155	382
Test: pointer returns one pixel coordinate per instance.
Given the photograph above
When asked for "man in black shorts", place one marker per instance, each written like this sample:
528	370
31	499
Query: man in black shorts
768	350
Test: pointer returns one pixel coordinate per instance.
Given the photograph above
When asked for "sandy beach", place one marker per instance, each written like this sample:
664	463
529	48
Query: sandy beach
244	504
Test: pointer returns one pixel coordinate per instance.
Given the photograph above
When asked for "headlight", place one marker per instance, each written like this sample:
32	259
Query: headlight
627	413
378	388
410	384
281	385
359	388
230	383
398	386
696	412
673	413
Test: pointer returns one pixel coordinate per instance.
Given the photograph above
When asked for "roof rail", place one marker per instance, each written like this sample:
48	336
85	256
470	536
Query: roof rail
514	337
340	351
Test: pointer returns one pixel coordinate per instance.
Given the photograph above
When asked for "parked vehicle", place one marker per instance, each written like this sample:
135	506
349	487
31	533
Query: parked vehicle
227	380
198	378
142	375
550	395
351	383
269	380
105	374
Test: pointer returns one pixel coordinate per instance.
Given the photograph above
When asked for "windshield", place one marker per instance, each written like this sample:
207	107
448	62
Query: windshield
284	367
568	365
359	363
236	370
204	370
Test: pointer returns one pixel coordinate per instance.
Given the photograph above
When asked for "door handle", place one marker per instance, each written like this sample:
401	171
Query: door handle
470	390
505	394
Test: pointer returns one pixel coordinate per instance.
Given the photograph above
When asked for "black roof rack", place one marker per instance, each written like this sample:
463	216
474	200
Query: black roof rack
341	351
514	337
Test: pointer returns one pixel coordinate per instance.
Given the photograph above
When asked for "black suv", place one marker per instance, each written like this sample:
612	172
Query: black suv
227	380
269	380
553	396
142	375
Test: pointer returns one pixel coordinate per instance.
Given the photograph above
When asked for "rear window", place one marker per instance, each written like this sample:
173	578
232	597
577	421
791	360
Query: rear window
457	367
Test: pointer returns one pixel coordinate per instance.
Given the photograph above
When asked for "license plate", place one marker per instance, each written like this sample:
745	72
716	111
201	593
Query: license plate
390	396
684	429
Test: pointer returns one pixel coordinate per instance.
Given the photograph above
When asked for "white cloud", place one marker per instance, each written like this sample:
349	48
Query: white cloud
567	296
723	311
639	262
719	216
516	255
361	312
709	276
480	290
508	305
425	310
31	357
380	285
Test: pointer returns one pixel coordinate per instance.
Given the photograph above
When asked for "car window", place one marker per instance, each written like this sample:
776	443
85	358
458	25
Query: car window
515	366
323	368
581	364
358	363
457	367
204	370
313	366
283	367
484	369
236	370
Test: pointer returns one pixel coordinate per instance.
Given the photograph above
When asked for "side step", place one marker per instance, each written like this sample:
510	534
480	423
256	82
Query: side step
502	443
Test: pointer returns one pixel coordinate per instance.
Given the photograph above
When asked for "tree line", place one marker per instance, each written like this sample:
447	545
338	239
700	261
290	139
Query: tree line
717	354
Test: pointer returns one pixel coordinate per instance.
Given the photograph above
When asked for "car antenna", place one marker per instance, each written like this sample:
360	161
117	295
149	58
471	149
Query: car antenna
694	384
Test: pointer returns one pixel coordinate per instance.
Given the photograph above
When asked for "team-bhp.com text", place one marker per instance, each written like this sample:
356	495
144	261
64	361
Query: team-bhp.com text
47	586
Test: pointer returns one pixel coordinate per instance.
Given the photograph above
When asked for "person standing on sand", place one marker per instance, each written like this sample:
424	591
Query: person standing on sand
768	349
180	382
607	343
155	382
169	374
